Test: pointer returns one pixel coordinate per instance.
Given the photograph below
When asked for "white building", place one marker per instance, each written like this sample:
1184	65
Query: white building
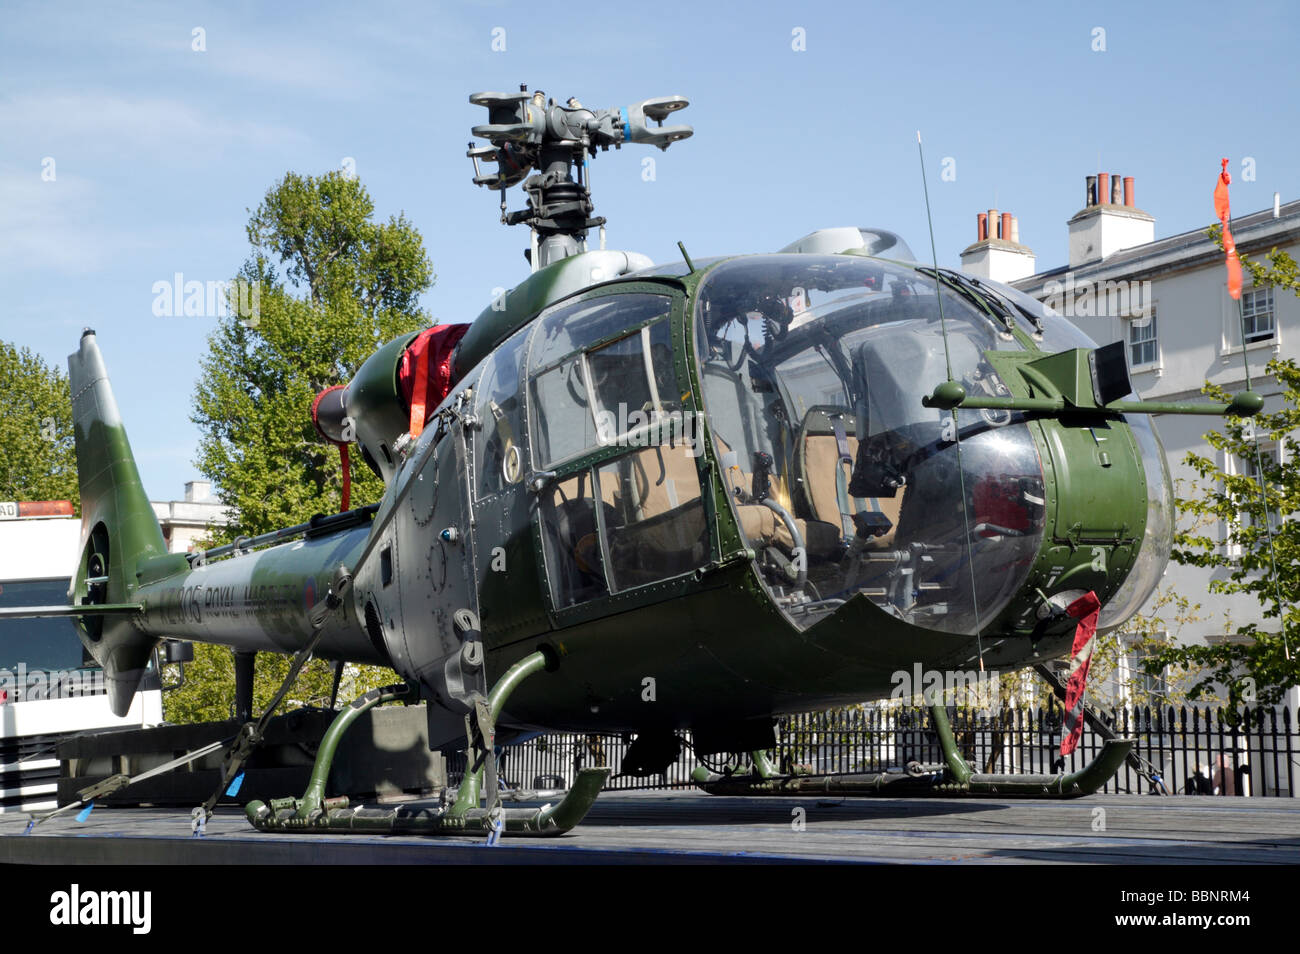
186	521
1168	300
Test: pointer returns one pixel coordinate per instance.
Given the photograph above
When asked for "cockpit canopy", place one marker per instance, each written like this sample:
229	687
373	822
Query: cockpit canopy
814	368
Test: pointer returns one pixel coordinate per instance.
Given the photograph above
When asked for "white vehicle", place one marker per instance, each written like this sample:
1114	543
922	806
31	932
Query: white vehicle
50	688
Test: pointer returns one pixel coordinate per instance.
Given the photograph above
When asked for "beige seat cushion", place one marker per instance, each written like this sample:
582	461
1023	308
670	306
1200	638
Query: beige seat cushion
822	457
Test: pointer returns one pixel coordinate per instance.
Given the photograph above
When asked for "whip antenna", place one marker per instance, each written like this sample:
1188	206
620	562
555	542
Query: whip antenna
956	424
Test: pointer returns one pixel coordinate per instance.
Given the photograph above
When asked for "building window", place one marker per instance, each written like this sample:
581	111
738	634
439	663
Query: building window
1143	347
1269	454
1257	314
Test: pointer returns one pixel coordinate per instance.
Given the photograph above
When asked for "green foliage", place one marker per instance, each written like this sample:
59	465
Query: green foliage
39	461
208	694
332	286
1259	662
1146	636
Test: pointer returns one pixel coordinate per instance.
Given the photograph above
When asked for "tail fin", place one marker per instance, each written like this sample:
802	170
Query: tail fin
118	526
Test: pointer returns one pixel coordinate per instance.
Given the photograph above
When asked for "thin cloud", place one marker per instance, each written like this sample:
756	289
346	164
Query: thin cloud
45	224
105	124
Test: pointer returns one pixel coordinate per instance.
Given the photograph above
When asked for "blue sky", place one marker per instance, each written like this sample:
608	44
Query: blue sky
160	150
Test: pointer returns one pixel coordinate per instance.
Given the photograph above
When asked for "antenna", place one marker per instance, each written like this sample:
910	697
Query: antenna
529	132
956	423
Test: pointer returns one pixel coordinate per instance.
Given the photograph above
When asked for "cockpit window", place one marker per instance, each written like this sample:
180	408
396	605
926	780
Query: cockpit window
634	382
637	519
572	327
589	390
813	369
563	425
498	407
602	376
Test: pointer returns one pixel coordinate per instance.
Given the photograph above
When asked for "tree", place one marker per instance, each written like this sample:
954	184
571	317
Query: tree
330	286
1255	503
40	461
348	286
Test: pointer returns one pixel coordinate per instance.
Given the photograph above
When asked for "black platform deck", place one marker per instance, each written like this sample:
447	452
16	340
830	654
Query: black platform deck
685	827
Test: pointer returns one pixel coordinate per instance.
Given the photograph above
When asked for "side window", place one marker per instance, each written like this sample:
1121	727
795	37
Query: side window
571	533
634	520
654	516
602	362
563	425
601	375
498	404
633	383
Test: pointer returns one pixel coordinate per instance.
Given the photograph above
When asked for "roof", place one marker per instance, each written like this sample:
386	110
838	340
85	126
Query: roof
1184	249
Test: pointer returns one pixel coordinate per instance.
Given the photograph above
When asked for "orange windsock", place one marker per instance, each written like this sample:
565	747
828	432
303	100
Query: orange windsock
1223	211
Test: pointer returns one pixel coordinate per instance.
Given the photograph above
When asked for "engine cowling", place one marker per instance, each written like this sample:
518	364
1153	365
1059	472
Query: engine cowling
374	409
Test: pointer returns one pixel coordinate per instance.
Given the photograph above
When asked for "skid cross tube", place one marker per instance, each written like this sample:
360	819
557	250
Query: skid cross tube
316	813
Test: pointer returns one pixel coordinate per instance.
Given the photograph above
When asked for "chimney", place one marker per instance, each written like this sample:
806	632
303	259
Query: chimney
997	253
197	490
1111	223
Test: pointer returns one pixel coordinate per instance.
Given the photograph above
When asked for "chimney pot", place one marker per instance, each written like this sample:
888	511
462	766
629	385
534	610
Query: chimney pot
1090	192
1116	189
1128	192
1004	232
1103	188
993	224
1277	205
1015	230
981	226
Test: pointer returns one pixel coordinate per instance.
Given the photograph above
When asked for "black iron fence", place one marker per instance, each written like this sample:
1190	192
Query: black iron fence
1194	751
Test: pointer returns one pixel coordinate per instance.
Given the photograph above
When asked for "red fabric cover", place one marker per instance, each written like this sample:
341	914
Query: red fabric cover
1085	609
432	347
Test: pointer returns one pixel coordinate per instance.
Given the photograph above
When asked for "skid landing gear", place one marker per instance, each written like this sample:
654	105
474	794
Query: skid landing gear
315	813
949	778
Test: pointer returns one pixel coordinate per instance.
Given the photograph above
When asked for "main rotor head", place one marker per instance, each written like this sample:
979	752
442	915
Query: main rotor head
529	132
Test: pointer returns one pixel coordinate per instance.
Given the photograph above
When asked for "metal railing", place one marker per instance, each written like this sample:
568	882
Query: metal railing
1194	750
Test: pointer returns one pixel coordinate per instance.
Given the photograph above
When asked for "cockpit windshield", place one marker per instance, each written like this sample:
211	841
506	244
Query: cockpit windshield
813	370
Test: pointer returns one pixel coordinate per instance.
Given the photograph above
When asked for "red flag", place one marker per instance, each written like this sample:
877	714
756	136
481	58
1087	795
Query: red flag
1085	609
1222	210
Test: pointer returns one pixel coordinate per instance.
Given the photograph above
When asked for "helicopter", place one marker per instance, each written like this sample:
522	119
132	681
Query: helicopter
649	498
